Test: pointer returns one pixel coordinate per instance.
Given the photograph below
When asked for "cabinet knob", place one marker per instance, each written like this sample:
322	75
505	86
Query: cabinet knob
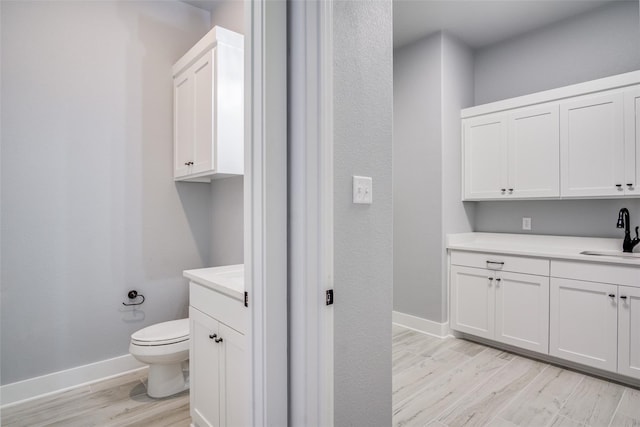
212	336
218	339
503	190
624	297
511	190
612	295
629	185
619	186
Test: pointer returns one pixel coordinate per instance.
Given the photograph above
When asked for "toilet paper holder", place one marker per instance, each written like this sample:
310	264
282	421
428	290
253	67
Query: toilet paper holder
133	294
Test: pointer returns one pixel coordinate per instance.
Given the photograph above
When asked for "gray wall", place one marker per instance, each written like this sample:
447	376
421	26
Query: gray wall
593	45
227	218
457	93
89	206
227	221
433	79
362	233
417	177
596	44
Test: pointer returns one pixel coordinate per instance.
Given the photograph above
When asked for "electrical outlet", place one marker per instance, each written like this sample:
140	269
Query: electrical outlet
526	223
362	189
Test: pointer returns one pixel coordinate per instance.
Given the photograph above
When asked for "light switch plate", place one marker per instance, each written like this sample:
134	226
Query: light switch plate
526	223
362	189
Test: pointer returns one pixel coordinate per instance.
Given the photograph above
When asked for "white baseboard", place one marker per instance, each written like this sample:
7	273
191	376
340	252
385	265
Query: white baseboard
419	324
21	391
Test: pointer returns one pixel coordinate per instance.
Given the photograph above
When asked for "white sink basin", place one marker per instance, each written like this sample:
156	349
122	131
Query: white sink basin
618	254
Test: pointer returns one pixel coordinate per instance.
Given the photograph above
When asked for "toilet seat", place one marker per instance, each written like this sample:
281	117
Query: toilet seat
165	333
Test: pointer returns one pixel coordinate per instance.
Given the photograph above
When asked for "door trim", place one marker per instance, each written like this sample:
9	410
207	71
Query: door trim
265	212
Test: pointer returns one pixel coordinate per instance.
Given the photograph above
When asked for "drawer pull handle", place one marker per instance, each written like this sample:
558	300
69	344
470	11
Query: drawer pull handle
612	295
218	339
212	336
624	297
496	262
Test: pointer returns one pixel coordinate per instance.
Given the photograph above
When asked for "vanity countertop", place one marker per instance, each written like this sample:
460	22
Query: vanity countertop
228	279
532	245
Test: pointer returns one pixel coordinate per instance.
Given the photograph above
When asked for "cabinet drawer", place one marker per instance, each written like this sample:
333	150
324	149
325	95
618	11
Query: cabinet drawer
516	264
593	272
225	309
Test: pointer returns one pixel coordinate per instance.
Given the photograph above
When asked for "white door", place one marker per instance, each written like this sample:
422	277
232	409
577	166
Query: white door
203	121
472	301
522	311
632	141
629	331
234	380
534	152
592	146
584	322
183	124
204	362
485	157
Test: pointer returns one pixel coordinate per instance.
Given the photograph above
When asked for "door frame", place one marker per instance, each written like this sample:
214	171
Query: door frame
288	241
265	211
310	213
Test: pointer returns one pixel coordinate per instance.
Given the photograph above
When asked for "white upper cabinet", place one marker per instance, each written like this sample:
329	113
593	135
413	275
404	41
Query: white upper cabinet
208	86
512	155
485	157
579	141
632	141
534	156
592	145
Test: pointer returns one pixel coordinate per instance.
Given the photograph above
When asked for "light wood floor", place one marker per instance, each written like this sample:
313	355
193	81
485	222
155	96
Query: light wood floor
120	401
436	382
452	382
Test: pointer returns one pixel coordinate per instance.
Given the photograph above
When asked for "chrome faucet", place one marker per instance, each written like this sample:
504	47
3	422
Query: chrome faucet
623	222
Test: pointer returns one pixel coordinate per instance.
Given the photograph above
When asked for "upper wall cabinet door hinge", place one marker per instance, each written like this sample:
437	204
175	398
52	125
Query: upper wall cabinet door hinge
246	299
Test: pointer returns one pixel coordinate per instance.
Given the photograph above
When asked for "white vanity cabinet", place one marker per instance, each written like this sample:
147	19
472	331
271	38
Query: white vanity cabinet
542	293
595	315
584	322
217	372
629	331
218	358
208	108
497	303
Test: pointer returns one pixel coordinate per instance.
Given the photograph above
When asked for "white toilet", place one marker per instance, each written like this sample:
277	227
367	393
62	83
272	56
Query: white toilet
164	347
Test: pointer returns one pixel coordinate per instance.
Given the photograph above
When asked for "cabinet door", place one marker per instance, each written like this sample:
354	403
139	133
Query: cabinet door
204	365
629	331
592	146
182	124
522	311
234	380
473	301
632	141
485	157
584	322
534	153
203	76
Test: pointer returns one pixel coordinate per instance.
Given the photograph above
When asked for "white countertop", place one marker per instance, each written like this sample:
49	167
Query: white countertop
228	280
558	247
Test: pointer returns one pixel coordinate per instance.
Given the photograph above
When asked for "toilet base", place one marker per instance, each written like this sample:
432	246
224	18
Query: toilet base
166	379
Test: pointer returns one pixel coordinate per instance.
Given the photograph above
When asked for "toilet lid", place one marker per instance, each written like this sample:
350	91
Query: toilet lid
165	332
